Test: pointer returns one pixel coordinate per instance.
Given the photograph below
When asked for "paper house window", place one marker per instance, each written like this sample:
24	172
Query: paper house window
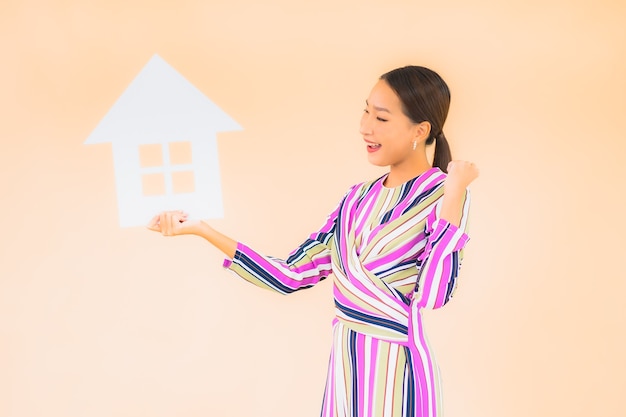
166	168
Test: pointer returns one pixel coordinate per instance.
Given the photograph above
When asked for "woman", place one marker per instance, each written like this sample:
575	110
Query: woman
394	245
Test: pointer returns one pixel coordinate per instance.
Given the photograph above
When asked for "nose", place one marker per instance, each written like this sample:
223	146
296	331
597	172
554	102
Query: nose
366	125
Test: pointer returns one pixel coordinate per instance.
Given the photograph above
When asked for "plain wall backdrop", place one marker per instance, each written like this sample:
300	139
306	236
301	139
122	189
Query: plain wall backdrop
96	320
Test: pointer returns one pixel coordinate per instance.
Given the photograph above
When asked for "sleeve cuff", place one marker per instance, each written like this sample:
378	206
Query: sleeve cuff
443	229
228	262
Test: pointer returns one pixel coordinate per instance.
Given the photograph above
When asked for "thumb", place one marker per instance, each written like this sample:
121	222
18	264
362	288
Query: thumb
153	224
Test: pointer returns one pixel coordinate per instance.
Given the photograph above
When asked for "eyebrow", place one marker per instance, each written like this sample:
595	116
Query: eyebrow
378	108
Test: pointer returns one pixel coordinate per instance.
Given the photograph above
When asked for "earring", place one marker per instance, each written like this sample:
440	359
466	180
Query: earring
414	144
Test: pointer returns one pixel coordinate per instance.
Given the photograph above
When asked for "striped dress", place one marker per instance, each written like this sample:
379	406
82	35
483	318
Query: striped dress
391	256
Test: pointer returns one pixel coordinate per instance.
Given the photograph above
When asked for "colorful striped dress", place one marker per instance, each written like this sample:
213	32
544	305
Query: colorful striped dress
391	256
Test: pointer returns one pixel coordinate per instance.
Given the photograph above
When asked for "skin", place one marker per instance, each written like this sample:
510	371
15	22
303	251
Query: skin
383	123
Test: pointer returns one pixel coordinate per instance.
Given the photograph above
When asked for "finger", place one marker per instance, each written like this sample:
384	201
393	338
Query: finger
153	224
173	220
164	222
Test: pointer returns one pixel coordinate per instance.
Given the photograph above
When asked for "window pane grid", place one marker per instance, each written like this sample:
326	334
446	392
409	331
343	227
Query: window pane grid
166	177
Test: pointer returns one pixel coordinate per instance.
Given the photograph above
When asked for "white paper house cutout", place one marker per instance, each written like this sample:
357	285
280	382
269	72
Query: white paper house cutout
161	107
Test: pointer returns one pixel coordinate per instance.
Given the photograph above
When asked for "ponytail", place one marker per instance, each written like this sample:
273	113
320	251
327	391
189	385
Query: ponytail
443	156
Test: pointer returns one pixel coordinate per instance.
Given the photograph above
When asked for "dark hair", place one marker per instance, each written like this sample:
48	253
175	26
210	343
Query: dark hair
425	97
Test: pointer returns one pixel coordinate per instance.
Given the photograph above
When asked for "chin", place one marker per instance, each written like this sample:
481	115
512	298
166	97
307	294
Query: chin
379	162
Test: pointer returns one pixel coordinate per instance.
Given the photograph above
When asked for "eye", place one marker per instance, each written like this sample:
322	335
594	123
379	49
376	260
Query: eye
365	111
381	119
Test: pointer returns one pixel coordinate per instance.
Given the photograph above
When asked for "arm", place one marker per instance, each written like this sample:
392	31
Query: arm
441	258
446	232
460	175
306	265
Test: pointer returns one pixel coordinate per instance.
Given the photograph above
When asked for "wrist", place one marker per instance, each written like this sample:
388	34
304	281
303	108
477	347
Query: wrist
191	227
454	188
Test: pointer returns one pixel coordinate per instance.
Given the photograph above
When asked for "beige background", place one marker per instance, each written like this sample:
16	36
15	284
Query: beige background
101	321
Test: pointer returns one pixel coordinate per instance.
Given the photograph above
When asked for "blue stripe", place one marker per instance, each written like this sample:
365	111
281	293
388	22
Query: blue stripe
366	318
267	278
454	274
421	197
443	232
308	244
401	266
409	395
355	376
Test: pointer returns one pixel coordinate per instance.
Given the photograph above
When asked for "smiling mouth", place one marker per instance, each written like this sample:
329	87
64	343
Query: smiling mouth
373	147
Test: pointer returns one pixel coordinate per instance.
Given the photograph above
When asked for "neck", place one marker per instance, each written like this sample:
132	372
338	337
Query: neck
402	172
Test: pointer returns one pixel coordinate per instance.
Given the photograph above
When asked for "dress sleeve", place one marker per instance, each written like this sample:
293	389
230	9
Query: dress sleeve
307	265
440	261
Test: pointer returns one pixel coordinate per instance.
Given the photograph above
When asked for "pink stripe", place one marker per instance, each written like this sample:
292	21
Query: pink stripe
441	285
442	226
428	278
279	273
421	377
437	257
363	307
370	310
396	256
347	215
319	263
357	283
425	181
444	282
360	359
439	281
323	262
344	300
372	377
368	205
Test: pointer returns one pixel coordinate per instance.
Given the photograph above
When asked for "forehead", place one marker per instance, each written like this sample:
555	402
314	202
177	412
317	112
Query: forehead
383	96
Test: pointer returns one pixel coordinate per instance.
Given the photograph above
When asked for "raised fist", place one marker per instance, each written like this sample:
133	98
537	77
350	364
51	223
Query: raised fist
461	174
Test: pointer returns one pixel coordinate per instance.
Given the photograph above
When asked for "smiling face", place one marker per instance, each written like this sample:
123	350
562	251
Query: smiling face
388	133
